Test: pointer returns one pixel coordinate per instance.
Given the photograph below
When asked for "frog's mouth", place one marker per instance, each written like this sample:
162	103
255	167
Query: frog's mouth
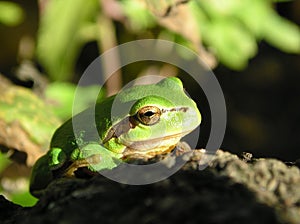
152	147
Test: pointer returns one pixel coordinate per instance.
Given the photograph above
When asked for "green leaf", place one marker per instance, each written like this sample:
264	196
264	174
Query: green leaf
18	104
139	17
60	38
253	14
4	162
232	44
24	199
11	13
282	33
61	94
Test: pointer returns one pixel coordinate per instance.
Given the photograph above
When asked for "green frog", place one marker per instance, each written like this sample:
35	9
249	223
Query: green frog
142	121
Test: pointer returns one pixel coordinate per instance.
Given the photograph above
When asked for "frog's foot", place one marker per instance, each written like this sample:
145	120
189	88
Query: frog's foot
93	156
169	159
76	165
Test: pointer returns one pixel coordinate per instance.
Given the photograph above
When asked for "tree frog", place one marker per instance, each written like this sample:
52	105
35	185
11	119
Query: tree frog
139	122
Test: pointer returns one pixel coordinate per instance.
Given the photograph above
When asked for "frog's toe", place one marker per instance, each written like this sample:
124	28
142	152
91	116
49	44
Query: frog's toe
56	158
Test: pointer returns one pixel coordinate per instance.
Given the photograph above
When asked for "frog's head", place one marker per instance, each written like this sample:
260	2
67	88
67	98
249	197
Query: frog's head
158	116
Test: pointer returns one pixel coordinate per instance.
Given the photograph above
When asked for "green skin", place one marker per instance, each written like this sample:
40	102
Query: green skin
139	122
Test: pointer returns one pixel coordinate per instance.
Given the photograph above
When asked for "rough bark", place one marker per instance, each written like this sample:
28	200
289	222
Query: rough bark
229	190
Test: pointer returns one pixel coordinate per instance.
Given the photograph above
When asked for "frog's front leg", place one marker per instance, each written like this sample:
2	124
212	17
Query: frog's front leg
93	156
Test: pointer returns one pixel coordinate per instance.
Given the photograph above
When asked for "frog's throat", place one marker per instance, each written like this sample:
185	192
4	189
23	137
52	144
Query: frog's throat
151	147
131	153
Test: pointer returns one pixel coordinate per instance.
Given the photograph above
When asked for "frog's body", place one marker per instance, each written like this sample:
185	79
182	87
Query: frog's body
139	122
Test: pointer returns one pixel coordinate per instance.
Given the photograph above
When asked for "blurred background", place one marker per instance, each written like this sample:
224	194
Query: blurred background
252	46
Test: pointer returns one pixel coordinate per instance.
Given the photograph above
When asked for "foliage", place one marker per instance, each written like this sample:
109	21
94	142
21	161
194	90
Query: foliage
61	95
27	124
11	14
26	127
230	29
62	33
18	195
140	18
24	199
20	105
4	162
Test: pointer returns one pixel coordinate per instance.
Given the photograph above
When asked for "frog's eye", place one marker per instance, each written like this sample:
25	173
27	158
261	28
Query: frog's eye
149	115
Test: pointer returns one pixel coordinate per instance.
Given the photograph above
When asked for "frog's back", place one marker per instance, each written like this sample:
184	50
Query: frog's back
64	138
87	126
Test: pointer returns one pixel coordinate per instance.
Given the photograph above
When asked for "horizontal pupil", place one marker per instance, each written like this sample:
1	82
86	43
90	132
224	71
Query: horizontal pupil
149	113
